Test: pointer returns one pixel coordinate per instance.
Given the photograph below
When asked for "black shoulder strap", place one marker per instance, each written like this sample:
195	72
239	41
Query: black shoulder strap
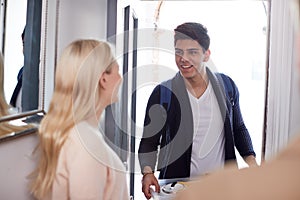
165	93
223	79
165	99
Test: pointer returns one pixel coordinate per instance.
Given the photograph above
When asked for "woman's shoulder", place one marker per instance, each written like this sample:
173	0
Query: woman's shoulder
90	140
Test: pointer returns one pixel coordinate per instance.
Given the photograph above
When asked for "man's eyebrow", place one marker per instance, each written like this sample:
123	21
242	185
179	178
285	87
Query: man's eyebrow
190	49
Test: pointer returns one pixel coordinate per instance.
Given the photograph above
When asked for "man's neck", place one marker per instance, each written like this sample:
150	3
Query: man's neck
198	84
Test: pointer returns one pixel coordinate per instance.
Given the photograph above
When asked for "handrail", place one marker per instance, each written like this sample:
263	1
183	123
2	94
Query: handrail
20	115
32	117
13	135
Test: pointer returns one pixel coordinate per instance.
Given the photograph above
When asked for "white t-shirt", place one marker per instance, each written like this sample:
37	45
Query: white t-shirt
208	143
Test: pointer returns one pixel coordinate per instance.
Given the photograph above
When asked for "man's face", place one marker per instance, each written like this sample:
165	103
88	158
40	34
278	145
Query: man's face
189	57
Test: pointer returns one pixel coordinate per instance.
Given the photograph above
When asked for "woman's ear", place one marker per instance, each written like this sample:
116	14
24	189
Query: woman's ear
206	55
103	81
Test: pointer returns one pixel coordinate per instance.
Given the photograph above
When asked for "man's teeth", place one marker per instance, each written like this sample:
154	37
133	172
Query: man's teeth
186	66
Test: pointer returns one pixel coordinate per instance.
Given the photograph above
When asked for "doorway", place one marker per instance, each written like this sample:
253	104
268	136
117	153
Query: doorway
238	32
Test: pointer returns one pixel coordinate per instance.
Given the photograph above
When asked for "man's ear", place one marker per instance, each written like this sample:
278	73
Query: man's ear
206	55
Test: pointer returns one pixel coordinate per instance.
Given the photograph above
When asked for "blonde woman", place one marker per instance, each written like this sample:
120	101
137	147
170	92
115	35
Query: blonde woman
75	162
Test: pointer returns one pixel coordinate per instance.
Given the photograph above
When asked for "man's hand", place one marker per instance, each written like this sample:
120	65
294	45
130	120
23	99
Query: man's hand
251	161
148	180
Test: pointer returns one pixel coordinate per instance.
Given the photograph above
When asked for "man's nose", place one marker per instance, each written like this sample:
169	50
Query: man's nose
184	57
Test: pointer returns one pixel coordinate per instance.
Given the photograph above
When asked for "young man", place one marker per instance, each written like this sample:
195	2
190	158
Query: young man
277	179
202	122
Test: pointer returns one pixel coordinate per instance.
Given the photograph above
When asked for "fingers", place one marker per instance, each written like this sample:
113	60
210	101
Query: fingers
146	190
147	181
157	186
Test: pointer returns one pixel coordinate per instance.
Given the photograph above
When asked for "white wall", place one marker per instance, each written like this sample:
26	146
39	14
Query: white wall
295	106
17	162
81	19
65	21
283	96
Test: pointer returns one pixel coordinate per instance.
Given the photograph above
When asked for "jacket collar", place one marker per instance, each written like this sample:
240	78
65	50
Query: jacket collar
219	92
179	87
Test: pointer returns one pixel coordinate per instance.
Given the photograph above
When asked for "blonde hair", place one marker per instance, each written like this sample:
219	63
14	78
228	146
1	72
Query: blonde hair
76	82
3	104
5	127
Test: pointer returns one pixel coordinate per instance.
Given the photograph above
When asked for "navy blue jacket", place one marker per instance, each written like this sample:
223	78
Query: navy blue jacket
17	89
174	149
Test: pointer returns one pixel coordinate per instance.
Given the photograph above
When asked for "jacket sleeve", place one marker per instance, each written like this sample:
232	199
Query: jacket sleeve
153	127
242	137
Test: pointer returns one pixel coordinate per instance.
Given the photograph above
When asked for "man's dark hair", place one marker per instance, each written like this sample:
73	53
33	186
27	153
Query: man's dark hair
194	31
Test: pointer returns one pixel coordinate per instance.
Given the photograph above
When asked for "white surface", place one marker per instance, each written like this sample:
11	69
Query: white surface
167	191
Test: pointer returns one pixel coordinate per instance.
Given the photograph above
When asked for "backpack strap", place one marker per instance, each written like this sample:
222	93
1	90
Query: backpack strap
165	101
165	94
228	86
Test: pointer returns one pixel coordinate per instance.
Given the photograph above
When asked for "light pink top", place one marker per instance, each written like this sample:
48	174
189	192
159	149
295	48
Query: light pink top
88	168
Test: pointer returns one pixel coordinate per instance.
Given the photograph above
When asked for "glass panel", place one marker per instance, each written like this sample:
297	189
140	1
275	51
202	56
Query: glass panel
13	51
